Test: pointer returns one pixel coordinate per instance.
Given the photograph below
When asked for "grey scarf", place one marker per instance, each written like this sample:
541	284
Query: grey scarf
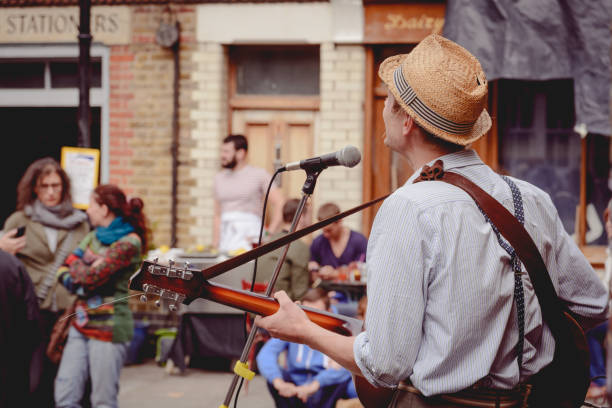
61	216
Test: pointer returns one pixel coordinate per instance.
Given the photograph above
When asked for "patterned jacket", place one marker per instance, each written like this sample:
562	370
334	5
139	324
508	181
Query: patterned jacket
99	275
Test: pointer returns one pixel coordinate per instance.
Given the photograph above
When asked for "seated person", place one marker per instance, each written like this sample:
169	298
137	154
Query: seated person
293	276
337	246
311	379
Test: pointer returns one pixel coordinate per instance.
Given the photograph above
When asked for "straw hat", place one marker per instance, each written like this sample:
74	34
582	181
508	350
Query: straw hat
442	87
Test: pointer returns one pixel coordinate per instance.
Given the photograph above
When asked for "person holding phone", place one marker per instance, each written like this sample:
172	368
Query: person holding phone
43	231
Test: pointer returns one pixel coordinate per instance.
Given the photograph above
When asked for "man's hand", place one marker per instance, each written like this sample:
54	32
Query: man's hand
328	272
305	391
289	323
10	244
284	388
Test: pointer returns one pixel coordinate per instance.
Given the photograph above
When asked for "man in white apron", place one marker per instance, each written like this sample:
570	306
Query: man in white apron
239	193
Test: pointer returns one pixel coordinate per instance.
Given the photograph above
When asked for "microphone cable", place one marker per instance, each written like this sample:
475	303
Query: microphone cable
261	228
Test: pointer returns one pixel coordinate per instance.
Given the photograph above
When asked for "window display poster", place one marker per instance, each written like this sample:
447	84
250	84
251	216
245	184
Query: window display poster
82	166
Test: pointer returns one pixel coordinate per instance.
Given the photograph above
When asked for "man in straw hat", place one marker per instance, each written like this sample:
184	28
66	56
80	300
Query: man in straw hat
442	316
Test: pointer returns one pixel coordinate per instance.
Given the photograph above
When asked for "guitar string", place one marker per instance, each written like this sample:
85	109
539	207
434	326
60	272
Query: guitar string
100	305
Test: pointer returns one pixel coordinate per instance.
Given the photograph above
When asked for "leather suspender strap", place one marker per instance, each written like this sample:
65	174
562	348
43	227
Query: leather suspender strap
517	237
564	382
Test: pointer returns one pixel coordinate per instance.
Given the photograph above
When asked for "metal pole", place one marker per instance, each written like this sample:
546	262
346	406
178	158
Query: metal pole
175	139
307	190
84	113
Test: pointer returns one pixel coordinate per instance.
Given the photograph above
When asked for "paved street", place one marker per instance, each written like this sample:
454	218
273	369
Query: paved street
147	385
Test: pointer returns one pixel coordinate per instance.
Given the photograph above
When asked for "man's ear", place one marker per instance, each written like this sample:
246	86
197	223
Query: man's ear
241	154
407	124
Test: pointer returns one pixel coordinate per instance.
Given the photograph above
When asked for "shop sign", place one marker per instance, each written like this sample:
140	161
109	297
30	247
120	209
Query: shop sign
109	24
402	23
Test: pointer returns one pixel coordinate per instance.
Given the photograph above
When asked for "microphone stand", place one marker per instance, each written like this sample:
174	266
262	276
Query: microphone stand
241	368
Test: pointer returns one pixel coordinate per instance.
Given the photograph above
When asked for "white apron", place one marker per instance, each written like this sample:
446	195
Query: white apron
239	230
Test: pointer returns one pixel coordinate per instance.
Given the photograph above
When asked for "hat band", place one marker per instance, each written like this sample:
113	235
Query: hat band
410	98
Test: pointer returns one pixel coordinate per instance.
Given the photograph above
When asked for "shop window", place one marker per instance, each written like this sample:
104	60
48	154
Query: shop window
537	144
39	99
65	74
274	77
277	70
37	74
22	74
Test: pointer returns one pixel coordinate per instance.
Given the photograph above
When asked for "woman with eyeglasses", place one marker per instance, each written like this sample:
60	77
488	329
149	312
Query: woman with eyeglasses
53	229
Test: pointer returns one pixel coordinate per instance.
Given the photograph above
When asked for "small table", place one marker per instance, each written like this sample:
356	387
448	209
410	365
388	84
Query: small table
354	290
208	335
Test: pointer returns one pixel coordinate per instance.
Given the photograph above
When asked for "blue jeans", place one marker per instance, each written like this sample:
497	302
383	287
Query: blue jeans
325	397
83	358
595	338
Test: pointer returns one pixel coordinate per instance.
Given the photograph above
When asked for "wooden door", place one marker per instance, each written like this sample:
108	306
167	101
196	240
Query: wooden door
384	170
275	138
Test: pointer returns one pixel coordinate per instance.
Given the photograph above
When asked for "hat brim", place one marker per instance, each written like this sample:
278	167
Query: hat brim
480	128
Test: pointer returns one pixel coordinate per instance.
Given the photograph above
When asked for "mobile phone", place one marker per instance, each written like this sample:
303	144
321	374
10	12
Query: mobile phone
20	231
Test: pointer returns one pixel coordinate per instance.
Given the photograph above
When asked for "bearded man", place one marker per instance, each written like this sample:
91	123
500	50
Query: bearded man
239	193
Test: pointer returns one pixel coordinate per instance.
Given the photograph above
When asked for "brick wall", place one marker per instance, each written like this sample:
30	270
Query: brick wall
210	117
141	124
141	108
341	124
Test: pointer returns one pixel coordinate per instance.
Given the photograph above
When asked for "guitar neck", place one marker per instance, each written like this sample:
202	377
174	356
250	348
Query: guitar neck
266	306
183	285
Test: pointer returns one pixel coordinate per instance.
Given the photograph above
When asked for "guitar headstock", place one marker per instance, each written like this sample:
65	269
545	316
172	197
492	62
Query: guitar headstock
175	283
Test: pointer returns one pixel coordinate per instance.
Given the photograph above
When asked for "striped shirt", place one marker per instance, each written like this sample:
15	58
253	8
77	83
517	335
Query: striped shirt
440	287
241	190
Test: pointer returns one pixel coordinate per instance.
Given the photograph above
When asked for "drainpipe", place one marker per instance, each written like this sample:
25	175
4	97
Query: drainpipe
167	36
84	113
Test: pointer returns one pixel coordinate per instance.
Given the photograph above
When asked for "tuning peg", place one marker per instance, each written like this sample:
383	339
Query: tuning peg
158	303
172	307
143	298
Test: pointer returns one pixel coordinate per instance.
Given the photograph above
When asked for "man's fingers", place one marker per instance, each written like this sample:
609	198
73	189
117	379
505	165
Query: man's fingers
282	298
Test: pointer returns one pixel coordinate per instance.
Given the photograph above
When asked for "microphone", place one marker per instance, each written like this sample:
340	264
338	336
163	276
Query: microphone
349	156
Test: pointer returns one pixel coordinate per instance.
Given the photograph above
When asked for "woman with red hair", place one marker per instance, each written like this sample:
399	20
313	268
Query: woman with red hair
98	272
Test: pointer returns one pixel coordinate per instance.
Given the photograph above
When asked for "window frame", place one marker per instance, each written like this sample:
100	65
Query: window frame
268	102
61	97
488	149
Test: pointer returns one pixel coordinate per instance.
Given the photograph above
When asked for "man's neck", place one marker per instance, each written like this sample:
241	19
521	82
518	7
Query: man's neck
421	158
239	166
340	237
420	153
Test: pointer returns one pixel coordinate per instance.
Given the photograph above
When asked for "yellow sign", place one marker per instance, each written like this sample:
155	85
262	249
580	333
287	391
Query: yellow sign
109	25
81	165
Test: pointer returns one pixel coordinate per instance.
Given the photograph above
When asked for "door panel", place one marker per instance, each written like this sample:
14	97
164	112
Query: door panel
385	170
297	145
260	136
277	137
